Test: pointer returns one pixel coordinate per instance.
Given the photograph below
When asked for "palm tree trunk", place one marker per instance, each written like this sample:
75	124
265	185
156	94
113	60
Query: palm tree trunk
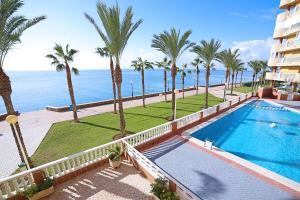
232	81
143	86
118	79
197	81
173	89
183	86
112	72
241	81
165	83
227	75
236	75
207	85
71	92
252	85
5	92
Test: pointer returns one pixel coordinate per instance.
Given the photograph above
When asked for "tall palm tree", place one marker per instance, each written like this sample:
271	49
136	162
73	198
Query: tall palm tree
12	27
61	59
208	51
234	68
172	44
116	34
196	62
183	73
255	65
141	65
165	63
227	57
264	69
242	69
104	52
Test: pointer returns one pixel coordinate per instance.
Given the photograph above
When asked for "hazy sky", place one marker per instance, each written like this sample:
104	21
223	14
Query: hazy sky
246	24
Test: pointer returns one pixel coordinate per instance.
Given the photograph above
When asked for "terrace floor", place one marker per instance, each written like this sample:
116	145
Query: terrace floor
106	183
210	177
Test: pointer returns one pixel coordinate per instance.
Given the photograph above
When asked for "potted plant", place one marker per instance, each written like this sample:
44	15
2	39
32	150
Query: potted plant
41	190
161	191
115	156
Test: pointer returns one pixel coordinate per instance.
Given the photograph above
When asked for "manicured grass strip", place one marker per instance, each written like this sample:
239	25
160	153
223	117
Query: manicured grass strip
66	138
243	89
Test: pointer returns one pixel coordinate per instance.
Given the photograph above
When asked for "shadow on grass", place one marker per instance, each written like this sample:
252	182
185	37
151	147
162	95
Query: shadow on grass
105	127
144	115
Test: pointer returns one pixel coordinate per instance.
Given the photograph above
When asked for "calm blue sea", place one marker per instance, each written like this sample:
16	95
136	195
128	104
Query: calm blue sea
34	90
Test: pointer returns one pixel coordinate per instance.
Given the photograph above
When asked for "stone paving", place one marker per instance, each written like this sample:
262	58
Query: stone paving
36	124
123	183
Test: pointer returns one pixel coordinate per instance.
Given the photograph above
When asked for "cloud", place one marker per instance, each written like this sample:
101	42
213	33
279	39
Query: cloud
263	14
254	49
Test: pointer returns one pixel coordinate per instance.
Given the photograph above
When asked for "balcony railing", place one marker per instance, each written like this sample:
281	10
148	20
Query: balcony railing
286	77
285	3
11	185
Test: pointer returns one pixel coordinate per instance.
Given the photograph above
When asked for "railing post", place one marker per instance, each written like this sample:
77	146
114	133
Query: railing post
218	108
174	127
239	99
230	103
172	186
201	116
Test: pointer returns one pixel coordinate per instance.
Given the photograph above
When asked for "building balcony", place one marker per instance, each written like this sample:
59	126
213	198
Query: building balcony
284	4
289	46
273	62
285	77
282	17
286	32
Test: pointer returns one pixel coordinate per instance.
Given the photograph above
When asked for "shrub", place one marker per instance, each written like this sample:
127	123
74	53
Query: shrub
31	191
159	188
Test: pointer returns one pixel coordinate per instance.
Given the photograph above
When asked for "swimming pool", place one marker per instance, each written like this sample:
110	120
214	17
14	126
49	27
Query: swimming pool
247	133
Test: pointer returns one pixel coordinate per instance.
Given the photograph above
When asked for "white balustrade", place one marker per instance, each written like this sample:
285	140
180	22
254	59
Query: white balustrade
181	122
224	105
209	111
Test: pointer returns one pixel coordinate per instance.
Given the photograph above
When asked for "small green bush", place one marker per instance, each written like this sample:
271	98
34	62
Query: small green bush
159	188
46	184
31	191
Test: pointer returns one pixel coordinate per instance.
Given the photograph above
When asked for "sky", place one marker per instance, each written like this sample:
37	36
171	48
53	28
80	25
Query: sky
244	24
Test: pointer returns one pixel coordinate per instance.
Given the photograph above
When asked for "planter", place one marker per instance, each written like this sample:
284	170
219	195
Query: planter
155	197
115	164
42	194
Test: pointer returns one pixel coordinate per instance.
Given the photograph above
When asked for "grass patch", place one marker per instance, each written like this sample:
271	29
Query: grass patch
243	89
66	138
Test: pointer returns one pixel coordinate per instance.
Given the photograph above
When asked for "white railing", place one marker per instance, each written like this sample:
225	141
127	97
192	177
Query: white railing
224	105
209	111
150	134
157	172
11	185
181	122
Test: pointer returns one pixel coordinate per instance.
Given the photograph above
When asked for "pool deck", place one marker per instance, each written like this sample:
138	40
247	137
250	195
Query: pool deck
213	177
201	170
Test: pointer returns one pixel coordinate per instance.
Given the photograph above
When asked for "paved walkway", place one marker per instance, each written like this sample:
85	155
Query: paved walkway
106	183
36	124
210	177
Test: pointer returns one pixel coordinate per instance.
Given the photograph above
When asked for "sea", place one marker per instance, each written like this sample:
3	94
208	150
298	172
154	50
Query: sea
34	90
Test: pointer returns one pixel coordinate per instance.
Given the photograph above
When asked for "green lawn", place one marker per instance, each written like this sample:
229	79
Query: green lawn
243	89
66	138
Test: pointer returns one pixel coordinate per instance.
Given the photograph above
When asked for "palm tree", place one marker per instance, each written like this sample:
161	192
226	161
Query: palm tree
208	51
165	63
255	65
196	62
183	75
264	69
104	52
11	29
115	36
227	57
242	69
141	65
234	68
61	59
172	44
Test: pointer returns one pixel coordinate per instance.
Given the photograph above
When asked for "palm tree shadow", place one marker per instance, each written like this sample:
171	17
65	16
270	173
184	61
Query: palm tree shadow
105	127
144	115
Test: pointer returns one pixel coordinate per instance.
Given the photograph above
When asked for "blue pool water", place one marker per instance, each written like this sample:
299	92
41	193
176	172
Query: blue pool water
246	133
